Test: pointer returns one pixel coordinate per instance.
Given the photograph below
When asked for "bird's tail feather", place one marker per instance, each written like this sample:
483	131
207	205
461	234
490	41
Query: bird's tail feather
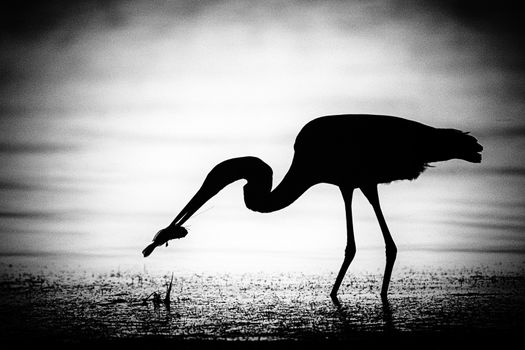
461	145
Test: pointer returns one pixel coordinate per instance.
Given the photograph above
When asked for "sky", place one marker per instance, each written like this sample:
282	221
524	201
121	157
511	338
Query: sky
113	112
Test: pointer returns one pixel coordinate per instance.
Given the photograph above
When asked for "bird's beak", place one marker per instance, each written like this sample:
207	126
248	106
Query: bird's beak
209	188
198	200
219	177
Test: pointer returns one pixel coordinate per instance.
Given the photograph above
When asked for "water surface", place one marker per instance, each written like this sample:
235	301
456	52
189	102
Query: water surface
109	126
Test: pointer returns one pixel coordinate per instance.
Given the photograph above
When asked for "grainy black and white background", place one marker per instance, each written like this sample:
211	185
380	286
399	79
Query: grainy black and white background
112	112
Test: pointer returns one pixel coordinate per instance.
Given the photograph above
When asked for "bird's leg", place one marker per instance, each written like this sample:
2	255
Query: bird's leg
350	242
370	193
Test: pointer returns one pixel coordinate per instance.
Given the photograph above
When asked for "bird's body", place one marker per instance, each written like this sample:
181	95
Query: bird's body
362	149
349	151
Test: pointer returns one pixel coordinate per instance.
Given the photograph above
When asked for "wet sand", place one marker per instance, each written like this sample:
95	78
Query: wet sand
477	305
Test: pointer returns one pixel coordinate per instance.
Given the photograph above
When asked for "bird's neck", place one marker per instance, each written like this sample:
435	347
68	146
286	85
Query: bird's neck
258	194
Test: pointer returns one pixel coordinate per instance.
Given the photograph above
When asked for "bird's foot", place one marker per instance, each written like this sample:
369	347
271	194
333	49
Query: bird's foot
335	299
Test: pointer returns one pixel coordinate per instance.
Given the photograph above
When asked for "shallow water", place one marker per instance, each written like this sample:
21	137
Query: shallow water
72	306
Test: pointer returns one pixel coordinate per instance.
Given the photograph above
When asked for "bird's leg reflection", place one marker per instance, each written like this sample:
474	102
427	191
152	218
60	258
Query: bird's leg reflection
387	315
345	317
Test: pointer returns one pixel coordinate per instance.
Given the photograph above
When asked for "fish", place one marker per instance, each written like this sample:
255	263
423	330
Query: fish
163	236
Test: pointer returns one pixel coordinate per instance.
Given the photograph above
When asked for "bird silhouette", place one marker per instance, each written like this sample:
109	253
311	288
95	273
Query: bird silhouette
349	151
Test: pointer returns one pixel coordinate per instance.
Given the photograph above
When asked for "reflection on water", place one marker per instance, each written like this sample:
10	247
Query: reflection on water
265	306
109	136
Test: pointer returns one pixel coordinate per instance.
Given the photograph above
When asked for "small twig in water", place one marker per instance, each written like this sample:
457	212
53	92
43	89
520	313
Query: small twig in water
167	298
156	299
149	296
